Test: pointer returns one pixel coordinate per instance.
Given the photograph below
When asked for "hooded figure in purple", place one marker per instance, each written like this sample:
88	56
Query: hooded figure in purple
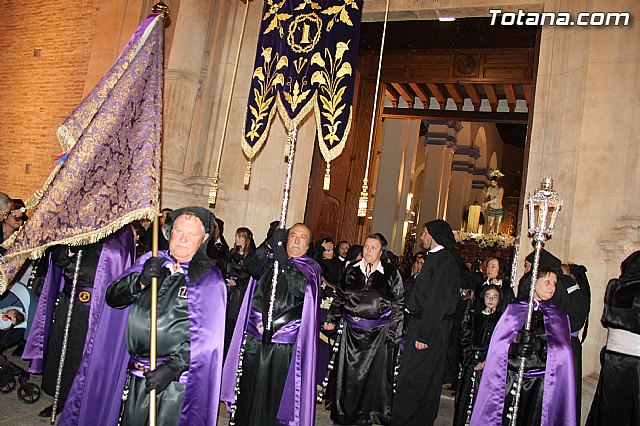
190	337
99	264
269	375
547	395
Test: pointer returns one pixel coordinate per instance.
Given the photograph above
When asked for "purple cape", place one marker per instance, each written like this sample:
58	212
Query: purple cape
558	400
87	404
298	404
117	255
207	307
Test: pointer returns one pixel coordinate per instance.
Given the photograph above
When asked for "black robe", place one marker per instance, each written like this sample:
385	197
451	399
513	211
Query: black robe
65	258
360	389
575	302
172	341
617	398
265	366
530	405
432	303
237	271
477	329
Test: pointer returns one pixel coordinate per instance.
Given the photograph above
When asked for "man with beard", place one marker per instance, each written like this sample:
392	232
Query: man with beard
269	375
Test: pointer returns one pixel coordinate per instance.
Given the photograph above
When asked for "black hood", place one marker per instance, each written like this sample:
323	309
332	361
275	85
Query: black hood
441	233
206	217
631	265
546	259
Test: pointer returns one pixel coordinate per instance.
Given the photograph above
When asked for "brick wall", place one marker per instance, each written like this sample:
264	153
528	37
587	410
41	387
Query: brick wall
38	92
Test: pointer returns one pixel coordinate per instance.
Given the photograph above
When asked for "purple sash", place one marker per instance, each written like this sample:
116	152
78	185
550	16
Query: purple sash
558	400
139	366
207	306
298	404
365	324
286	334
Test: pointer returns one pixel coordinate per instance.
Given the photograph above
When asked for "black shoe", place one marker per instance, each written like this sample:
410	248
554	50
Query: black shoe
46	412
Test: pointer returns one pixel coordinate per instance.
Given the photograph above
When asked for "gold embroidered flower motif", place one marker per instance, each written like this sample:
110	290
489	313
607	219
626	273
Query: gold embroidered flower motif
340	13
268	79
276	18
304	3
296	96
329	79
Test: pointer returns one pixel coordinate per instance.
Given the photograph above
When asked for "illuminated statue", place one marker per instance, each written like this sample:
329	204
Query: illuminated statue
493	202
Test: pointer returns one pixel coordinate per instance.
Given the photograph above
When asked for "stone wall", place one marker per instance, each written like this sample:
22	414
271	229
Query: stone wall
44	58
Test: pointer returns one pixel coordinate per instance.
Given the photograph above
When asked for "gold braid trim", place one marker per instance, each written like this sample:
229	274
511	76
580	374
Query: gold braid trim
290	122
89	237
37	196
331	154
251	151
65	138
3	279
9	241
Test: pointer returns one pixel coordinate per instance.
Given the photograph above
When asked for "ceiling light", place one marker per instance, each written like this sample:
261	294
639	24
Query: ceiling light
444	18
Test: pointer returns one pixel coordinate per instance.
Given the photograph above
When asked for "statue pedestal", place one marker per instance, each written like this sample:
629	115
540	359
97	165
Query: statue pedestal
471	250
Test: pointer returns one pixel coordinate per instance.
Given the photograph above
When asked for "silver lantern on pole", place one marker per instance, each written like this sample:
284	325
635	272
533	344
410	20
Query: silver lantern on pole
543	206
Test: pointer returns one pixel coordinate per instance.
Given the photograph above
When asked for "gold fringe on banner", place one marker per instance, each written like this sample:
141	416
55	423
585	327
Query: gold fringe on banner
363	201
247	174
77	240
213	192
327	177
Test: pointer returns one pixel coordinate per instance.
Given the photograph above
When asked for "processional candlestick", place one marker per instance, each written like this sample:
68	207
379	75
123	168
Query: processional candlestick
543	206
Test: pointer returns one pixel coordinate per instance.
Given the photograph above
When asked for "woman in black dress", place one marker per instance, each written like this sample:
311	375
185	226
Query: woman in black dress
369	308
237	278
497	273
477	328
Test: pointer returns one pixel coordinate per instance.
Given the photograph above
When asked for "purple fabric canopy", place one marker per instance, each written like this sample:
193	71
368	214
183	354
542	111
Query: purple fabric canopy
111	175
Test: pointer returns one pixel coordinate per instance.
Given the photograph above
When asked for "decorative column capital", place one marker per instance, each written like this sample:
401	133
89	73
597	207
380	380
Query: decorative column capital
624	239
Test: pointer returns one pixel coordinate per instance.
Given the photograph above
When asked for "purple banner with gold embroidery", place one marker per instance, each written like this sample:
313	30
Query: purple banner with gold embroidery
110	174
305	60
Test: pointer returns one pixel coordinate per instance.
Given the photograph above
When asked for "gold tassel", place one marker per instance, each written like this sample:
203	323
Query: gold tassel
247	173
327	178
213	192
363	201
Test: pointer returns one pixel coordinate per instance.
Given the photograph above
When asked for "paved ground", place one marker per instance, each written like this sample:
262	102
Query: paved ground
14	412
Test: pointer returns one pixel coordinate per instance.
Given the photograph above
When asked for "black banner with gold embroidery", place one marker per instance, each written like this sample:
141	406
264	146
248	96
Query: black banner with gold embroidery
305	61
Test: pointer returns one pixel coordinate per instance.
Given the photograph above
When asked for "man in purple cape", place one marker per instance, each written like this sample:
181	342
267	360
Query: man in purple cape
108	259
190	338
548	387
269	376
